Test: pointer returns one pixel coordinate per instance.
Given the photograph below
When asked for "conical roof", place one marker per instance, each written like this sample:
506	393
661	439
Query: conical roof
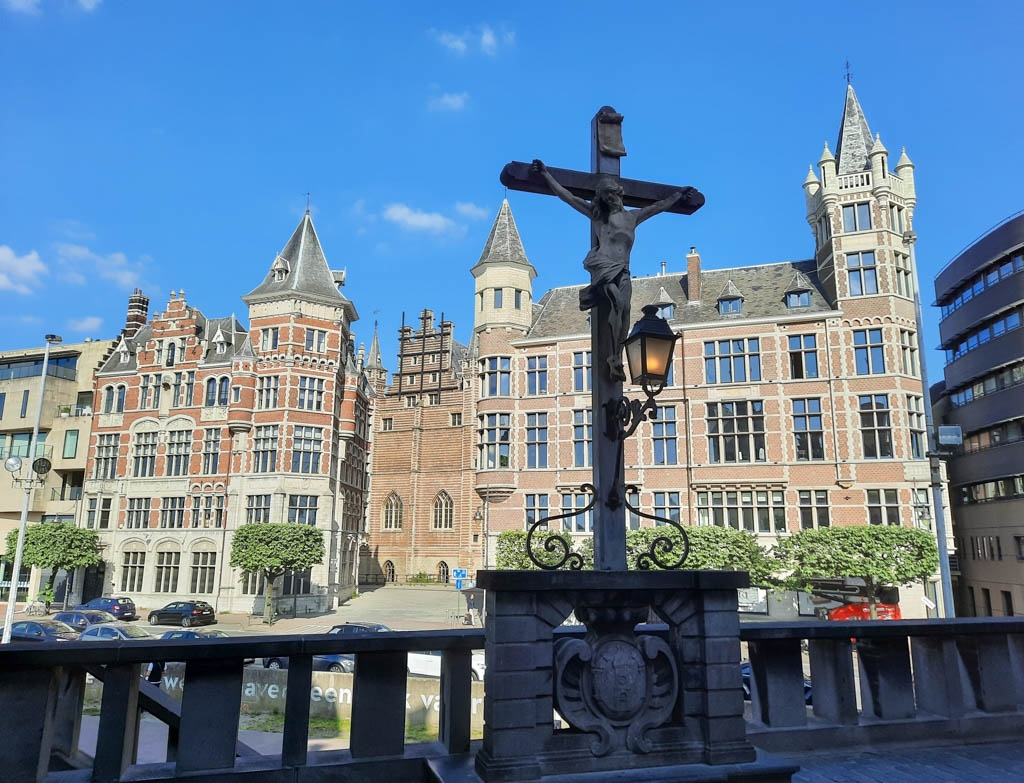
373	359
854	144
299	269
504	245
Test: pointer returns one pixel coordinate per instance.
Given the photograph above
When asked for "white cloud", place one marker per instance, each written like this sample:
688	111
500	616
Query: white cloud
22	6
417	220
33	6
20	273
79	263
484	38
488	41
88	325
469	210
449	101
451	41
75	230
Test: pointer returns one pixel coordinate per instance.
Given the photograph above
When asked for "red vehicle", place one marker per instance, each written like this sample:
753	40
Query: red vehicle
863	612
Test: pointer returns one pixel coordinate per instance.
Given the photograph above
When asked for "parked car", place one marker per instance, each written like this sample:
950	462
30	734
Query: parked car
80	619
123	608
335	662
183	613
745	673
428	664
48	630
190	633
351	628
862	611
114	632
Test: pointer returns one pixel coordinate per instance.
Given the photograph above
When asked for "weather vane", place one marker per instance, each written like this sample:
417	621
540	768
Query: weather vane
849	75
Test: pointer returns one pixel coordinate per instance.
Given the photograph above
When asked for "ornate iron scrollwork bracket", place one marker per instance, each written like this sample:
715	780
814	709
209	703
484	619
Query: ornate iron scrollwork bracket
555	544
662	545
623	416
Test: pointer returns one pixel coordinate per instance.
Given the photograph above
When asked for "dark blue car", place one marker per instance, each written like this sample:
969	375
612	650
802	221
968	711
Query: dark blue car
123	608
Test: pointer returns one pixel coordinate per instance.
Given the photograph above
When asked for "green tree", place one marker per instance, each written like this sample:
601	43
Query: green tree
717	548
511	551
883	556
711	548
57	546
274	548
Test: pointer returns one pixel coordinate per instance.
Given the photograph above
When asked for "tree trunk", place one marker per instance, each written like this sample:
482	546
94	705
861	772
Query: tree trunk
268	603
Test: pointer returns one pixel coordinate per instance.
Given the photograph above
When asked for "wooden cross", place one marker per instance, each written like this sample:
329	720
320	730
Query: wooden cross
606	151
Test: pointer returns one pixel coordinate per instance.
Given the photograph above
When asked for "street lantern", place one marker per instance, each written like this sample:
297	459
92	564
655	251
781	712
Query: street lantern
649	350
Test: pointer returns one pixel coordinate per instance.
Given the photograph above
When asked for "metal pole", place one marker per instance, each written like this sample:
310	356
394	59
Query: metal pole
935	468
29	484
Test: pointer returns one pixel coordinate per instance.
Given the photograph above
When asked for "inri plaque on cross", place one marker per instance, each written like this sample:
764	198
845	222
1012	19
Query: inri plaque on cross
602	196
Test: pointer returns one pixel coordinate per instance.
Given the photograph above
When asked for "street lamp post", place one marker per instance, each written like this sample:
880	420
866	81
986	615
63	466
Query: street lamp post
934	465
29	484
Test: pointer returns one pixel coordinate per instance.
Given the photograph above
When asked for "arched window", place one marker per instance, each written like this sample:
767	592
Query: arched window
108	399
222	392
442	572
170	354
443	508
121	391
211	392
389	571
393	512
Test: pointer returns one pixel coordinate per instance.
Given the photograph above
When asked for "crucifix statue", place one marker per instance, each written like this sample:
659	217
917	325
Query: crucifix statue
602	196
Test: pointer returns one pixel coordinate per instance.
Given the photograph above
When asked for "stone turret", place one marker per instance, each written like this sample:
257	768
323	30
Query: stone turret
504	277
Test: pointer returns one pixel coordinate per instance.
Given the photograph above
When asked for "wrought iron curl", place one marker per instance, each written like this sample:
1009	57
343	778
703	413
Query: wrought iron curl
662	544
554	543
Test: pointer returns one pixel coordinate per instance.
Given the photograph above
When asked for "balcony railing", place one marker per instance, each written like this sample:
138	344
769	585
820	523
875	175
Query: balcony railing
22	449
872	683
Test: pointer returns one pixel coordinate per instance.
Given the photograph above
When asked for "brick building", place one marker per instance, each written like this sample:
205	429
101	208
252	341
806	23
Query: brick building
203	425
795	398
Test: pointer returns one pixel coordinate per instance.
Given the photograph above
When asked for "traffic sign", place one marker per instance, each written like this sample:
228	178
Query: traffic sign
460	573
458	584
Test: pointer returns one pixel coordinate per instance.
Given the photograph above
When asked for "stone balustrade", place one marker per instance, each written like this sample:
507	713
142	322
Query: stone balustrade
936	680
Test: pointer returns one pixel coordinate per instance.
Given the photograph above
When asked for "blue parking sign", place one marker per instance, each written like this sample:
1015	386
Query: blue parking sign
460	573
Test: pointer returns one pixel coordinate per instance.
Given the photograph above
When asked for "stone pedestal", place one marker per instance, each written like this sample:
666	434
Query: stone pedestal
631	701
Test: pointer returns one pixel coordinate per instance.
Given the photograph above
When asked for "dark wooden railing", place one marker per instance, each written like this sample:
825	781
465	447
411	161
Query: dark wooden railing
931	679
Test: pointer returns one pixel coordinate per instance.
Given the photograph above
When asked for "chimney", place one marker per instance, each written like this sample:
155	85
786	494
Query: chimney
664	265
427	321
138	313
693	276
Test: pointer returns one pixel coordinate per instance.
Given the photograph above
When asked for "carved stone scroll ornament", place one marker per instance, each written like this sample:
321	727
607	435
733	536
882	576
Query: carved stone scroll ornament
614	683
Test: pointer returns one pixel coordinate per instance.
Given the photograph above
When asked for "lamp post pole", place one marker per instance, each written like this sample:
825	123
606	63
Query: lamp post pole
29	485
934	465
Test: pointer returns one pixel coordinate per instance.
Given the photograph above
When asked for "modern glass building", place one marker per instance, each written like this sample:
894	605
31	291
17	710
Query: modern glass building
981	294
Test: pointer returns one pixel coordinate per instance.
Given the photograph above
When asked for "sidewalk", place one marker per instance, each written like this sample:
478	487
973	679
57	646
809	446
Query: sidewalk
403	608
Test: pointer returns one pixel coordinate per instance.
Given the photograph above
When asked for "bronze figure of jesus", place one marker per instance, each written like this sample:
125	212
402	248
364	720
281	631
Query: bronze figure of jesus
613	231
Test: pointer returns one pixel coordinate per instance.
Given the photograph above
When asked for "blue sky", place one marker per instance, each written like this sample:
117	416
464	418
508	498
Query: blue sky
170	145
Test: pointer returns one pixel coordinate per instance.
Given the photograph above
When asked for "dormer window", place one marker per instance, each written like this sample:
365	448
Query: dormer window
667	311
730	305
222	347
124	356
279	269
798	299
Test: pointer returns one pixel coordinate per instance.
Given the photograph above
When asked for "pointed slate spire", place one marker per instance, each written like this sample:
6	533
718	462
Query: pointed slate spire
373	359
300	269
503	245
854	144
